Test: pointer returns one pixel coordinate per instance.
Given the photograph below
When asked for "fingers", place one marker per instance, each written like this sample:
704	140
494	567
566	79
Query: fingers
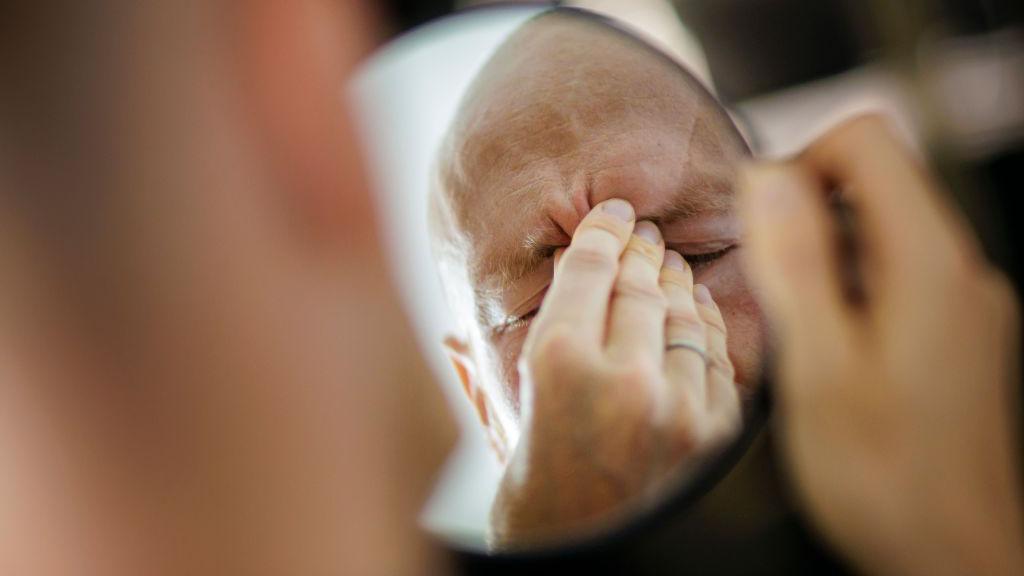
702	405
791	239
684	417
637	321
684	367
789	256
894	199
723	399
579	293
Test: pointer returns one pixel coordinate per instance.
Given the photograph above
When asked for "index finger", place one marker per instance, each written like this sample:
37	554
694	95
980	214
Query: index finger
582	286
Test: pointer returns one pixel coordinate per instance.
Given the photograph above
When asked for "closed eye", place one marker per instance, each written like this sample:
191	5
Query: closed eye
515	322
700	260
697	261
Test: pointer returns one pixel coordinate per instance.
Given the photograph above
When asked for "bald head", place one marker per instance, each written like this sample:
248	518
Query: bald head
562	97
569	112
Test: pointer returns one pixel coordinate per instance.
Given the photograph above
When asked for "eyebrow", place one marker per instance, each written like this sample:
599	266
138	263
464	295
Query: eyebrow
537	246
694	198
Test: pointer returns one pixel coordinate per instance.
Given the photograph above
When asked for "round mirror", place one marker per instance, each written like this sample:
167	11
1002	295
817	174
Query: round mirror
495	132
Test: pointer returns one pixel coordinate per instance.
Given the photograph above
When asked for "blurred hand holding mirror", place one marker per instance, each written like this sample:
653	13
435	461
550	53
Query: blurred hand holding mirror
580	208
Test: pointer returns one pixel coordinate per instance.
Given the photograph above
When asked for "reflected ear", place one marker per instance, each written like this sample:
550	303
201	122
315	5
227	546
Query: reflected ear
461	357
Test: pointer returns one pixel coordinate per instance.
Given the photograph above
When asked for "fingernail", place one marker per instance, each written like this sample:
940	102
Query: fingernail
648	231
771	188
674	260
619	208
703	295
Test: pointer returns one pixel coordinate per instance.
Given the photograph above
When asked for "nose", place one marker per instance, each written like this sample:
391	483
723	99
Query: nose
631	183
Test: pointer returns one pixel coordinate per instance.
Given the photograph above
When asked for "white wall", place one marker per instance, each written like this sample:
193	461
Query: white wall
405	96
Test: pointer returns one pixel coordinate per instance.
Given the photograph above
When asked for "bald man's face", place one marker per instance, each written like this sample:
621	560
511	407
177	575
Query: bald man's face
548	132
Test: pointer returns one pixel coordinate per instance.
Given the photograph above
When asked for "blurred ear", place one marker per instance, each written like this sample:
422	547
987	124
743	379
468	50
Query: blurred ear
461	357
295	60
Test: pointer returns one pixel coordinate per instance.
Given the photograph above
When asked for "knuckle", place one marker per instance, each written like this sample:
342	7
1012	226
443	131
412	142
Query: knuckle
606	226
638	375
649	252
720	358
589	258
637	289
721	364
677	296
633	405
628	391
675	283
685	320
713	318
557	346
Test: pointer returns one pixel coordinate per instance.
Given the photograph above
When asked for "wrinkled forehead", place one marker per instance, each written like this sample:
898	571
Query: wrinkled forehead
565	103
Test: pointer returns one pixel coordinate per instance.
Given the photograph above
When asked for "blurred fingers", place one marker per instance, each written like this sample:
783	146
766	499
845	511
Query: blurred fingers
894	200
790	257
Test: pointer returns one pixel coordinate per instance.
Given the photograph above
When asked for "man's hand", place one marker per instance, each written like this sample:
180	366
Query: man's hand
625	375
895	411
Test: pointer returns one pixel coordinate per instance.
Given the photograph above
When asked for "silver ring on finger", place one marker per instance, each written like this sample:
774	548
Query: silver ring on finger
681	344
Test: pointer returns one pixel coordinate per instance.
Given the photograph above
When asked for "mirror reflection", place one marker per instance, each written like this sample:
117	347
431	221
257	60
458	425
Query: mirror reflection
580	215
567	115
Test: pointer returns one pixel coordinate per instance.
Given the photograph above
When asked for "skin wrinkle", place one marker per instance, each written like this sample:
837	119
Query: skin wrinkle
517	307
565	115
511	268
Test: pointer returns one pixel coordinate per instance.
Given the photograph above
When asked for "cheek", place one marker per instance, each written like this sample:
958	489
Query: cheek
746	342
743	320
506	354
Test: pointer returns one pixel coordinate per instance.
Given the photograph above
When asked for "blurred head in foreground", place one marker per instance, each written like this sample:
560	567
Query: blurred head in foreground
567	113
202	369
